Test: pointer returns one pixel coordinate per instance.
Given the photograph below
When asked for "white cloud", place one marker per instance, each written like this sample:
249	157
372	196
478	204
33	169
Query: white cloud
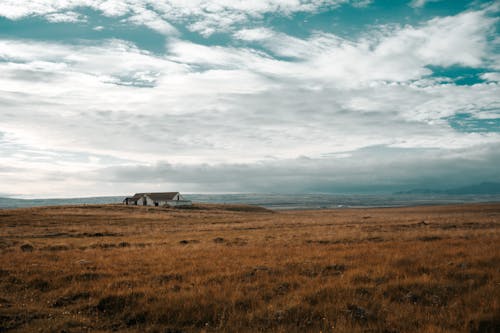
188	114
453	40
203	16
421	3
257	34
109	58
395	54
152	20
69	17
111	8
491	76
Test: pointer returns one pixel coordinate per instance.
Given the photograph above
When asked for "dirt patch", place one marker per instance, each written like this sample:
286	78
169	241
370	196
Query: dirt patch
39	284
115	304
10	321
124	284
374	239
322	241
317	270
485	325
137	319
5	244
84	277
472	279
361	279
5	303
284	288
52	235
27	248
90	277
70	299
170	277
103	246
13	281
359	314
363	292
101	234
336	269
74	326
188	241
258	271
237	242
324	295
57	247
422	294
429	238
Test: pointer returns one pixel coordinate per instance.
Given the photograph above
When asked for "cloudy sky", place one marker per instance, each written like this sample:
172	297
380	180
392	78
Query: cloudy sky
110	97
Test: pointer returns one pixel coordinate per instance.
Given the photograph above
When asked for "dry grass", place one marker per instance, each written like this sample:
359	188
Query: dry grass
240	269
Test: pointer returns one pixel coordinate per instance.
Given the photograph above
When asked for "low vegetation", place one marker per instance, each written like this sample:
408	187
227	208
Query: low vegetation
231	268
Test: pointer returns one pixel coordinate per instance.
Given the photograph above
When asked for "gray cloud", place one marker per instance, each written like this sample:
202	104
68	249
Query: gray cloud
371	169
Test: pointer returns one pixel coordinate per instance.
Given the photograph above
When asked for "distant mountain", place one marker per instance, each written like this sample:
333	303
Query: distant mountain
483	188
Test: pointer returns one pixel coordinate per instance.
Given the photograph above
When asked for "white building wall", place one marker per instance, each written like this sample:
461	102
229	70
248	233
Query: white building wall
178	200
175	203
149	201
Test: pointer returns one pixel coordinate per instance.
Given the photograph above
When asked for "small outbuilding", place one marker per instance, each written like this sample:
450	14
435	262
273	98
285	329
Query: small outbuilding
163	199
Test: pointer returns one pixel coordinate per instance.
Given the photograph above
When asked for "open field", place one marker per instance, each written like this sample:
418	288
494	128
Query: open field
236	269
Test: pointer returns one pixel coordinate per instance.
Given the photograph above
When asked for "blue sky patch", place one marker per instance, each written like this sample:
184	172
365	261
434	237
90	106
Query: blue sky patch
459	75
465	122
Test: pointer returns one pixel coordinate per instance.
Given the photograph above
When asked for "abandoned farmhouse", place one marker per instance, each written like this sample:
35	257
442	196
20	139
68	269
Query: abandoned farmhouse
163	199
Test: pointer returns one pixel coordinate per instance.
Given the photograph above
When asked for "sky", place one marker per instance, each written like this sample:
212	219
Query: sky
109	97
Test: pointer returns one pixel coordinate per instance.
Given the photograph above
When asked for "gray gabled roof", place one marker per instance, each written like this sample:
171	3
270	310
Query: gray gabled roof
137	196
156	196
162	195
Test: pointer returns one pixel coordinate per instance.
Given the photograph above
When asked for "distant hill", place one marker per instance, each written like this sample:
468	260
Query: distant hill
483	188
294	201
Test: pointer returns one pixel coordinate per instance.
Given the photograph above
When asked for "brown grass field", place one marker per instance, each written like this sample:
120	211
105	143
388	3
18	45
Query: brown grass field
225	268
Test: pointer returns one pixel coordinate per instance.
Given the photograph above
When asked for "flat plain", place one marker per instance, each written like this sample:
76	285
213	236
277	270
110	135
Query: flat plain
228	268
